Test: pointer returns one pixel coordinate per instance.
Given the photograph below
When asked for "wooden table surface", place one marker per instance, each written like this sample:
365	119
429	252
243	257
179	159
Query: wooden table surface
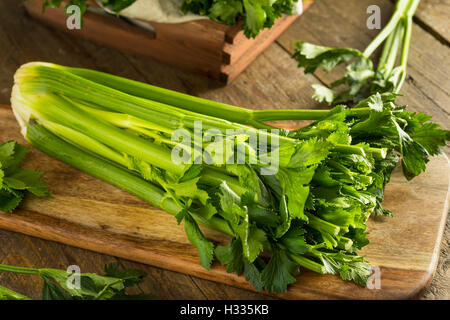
271	81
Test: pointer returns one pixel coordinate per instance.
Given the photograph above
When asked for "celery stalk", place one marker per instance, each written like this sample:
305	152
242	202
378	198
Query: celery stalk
164	100
49	143
400	8
168	97
53	108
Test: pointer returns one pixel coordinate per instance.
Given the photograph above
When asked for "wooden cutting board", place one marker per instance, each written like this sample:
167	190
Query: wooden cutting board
88	213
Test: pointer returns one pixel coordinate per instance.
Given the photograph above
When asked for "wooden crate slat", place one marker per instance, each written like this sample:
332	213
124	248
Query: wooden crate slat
203	46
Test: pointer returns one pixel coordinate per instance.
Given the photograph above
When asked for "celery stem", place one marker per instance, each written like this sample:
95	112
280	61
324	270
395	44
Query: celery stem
308	264
165	96
322	225
22	270
47	142
406	42
388	29
393	50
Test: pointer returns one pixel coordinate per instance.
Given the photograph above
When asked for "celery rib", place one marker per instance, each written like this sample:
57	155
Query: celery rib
47	142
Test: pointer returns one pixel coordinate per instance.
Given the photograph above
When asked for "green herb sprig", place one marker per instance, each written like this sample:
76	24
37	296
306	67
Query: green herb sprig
257	14
110	286
361	78
15	181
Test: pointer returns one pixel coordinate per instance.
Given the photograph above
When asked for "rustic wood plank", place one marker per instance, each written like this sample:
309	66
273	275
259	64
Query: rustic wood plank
174	285
439	288
433	16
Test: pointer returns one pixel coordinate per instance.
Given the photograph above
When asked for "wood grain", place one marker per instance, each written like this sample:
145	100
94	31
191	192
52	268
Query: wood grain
24	40
433	15
91	214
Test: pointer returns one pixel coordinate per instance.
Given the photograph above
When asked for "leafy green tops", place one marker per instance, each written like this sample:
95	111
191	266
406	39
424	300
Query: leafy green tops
16	181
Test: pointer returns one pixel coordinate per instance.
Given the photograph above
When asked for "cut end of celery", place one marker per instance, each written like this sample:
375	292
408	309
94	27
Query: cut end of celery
28	69
19	110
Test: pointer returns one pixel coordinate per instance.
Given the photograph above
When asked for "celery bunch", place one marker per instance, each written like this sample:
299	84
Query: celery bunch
303	197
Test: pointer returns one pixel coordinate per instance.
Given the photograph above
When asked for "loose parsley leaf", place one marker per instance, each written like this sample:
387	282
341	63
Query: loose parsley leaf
322	93
130	276
9	200
28	180
11	156
15	181
311	57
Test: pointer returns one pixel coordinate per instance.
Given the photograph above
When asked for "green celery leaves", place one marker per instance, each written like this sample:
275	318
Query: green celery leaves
15	181
257	14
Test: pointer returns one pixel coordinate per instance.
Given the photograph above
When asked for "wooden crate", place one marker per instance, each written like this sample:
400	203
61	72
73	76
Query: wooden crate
216	50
